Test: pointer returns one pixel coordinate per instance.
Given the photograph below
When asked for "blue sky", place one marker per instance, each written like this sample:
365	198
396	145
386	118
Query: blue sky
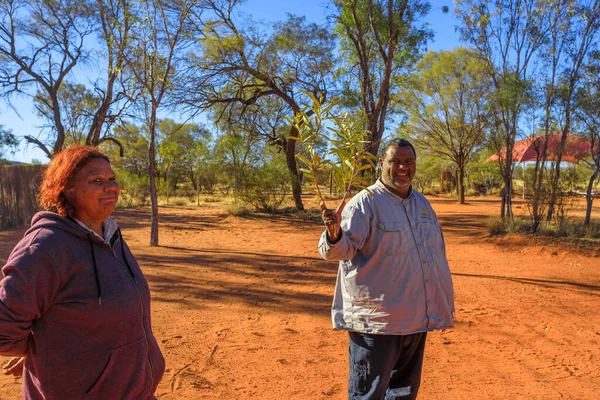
27	123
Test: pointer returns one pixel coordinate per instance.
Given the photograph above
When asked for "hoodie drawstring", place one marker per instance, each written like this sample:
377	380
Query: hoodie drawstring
89	236
95	269
124	257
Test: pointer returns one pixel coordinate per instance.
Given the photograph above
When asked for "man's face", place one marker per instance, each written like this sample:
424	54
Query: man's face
398	167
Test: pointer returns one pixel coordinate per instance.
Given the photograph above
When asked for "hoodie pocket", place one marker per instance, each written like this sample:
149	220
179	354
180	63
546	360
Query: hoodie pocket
126	376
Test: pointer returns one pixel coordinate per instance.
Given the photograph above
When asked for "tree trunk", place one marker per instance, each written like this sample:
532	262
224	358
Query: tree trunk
60	129
373	146
506	206
503	203
456	185
290	155
93	136
167	183
589	199
461	184
152	177
555	181
537	197
508	194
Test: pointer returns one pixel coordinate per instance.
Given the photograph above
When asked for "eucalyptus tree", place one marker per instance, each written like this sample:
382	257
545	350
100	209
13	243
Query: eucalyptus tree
132	165
77	105
582	36
8	141
156	37
447	104
182	153
238	151
40	43
555	18
380	40
134	140
169	153
507	36
250	153
244	134
587	114
196	140
114	19
238	62
44	42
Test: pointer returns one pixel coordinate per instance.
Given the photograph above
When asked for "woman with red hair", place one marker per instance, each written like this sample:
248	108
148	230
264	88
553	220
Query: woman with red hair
74	304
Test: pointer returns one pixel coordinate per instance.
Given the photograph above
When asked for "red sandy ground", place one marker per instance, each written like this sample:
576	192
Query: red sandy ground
241	309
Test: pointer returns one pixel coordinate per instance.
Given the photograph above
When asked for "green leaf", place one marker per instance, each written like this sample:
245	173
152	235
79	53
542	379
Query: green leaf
303	159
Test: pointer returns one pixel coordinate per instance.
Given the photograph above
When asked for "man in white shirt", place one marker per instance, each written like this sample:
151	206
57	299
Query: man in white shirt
393	283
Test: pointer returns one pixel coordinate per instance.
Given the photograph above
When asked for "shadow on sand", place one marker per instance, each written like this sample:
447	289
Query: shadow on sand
284	283
545	283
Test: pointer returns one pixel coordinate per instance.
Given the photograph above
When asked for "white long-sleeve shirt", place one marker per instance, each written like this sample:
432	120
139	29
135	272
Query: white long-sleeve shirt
393	275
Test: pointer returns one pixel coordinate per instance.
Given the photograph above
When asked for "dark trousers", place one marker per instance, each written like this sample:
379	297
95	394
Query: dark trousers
385	367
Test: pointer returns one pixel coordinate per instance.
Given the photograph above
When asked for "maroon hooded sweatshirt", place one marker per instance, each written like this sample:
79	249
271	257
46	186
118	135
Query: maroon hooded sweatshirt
79	309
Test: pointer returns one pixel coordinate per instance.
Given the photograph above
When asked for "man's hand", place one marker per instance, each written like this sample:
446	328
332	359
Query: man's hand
332	220
14	366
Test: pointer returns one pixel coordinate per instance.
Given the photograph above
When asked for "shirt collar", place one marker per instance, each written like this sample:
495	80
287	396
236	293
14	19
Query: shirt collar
109	227
381	185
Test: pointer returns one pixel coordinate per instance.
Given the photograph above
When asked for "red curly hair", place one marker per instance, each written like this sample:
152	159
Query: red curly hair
59	177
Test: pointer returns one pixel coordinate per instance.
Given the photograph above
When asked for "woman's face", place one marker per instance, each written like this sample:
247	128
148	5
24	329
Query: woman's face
95	191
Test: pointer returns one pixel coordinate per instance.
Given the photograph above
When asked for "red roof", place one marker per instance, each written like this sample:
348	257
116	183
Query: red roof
530	149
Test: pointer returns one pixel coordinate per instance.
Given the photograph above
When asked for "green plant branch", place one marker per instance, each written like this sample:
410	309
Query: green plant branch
345	140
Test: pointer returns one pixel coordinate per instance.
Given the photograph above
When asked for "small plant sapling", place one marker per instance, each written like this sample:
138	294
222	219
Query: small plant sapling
332	145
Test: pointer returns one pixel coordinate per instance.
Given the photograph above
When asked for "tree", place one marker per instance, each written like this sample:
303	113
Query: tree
381	40
582	27
135	142
556	18
41	42
114	18
238	148
132	166
587	106
182	150
157	38
506	35
446	100
196	159
8	141
77	104
242	64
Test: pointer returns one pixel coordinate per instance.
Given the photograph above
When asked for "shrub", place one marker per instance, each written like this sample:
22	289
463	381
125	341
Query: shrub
497	226
548	229
266	187
592	231
179	201
484	179
564	204
519	225
575	230
134	189
428	174
211	199
238	209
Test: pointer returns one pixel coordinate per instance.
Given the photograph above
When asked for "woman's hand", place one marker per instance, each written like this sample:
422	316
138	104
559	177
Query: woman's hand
14	366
